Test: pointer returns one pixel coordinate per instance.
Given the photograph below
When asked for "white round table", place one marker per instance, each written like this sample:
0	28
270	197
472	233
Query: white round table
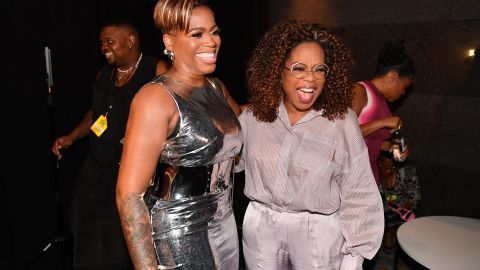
442	242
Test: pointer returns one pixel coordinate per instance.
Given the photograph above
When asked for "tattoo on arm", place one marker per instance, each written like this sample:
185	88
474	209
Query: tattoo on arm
137	231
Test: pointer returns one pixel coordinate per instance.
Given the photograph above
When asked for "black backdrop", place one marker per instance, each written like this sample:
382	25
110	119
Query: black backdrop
443	125
30	218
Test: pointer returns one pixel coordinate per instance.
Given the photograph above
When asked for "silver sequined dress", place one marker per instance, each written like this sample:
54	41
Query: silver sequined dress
190	201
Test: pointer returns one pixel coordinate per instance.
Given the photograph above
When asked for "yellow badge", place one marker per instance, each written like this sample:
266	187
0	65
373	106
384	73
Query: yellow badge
391	198
99	126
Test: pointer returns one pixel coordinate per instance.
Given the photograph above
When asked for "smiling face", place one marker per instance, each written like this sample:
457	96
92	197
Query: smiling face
114	45
196	49
300	94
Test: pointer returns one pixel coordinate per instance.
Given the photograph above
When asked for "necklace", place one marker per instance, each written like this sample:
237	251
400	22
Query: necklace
128	70
127	73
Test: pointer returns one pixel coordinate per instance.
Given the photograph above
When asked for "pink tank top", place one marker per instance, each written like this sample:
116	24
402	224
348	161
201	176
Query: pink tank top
376	108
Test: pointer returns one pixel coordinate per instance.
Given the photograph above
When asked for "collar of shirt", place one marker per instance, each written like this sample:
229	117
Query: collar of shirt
283	116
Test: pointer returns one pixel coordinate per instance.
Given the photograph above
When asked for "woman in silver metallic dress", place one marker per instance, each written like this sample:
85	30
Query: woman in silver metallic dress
174	186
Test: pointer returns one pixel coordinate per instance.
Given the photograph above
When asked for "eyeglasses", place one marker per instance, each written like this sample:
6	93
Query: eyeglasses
300	71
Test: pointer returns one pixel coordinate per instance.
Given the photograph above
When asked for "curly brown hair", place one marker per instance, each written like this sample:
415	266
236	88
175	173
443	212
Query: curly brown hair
268	59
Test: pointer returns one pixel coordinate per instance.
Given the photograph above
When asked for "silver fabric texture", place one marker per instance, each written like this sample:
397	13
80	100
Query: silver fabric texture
190	201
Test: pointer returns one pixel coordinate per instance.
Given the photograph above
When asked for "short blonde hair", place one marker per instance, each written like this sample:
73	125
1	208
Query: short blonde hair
171	16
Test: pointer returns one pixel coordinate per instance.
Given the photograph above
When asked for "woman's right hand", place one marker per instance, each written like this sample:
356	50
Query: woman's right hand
393	123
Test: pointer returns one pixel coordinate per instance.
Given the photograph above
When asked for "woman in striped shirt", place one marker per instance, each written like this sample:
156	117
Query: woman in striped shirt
314	203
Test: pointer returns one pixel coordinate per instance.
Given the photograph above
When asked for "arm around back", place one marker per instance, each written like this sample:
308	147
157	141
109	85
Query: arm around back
231	102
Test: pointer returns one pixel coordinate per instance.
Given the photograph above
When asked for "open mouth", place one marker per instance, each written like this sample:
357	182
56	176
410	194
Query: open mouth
207	57
108	55
305	95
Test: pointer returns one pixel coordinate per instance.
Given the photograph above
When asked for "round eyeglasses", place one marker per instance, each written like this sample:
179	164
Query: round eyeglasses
300	71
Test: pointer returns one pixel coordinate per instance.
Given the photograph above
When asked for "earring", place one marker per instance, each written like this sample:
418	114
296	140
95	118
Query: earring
169	54
130	46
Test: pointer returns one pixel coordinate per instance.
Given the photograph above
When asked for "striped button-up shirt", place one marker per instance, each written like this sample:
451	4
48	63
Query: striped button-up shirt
318	166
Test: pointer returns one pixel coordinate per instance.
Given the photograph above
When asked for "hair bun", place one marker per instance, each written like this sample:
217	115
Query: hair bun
392	53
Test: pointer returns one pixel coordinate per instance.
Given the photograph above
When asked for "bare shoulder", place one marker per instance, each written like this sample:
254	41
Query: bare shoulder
231	102
359	90
360	98
155	98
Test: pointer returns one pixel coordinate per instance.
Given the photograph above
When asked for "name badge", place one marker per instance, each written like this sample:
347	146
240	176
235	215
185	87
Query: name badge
99	126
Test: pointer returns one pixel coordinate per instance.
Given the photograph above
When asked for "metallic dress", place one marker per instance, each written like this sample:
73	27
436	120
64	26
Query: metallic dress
190	200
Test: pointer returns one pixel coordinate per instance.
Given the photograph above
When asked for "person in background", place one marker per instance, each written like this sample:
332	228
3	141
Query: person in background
400	189
174	188
97	233
394	74
314	203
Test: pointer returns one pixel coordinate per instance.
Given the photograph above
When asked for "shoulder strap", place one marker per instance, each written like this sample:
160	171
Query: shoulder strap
215	84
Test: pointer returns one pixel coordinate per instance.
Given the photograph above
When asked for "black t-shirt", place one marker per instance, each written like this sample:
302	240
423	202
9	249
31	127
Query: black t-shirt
114	103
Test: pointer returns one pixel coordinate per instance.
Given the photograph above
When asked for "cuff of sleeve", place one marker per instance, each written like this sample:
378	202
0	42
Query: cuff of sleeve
350	262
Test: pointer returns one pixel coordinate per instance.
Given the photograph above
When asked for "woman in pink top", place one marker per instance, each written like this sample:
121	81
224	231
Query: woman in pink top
393	75
314	203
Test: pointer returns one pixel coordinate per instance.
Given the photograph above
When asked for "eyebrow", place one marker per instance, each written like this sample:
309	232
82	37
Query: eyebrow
202	28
